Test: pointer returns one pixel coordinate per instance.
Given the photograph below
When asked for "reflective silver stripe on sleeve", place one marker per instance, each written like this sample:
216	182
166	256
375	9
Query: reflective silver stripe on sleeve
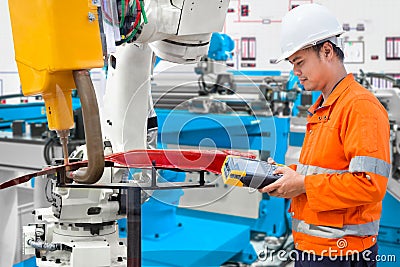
370	164
366	229
309	170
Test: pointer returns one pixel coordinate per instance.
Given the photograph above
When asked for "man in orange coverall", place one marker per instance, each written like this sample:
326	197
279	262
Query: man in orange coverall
338	186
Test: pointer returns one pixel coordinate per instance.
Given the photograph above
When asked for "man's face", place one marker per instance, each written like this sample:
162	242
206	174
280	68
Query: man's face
308	66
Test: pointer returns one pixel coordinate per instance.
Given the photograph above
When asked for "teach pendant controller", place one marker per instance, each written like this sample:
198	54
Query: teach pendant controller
247	172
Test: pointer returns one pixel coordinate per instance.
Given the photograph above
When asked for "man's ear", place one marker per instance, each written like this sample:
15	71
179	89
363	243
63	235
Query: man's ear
327	50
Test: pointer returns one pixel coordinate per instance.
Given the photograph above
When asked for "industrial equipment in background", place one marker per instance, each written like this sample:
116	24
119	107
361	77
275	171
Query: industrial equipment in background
23	121
222	90
388	238
281	92
216	85
215	68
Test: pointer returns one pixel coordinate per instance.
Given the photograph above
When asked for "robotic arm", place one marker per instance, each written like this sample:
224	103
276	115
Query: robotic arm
178	30
57	42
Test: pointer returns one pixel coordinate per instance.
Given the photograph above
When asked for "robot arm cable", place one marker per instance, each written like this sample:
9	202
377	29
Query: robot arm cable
143	11
139	15
128	9
123	13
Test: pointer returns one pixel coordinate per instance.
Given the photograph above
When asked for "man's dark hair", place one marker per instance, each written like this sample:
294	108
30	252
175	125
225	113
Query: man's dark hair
336	50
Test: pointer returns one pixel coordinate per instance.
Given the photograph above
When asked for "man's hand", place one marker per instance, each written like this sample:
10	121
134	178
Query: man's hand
291	184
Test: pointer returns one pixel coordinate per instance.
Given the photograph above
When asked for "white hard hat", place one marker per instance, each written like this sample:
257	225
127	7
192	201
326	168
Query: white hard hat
307	25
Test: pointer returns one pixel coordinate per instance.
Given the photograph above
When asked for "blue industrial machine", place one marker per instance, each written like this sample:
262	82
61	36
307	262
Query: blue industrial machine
16	111
221	47
389	233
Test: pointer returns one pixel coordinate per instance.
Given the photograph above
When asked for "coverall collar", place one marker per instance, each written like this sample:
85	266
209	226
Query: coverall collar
338	90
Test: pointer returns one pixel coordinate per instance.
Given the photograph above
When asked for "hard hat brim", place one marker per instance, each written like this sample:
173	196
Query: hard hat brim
284	56
335	41
287	54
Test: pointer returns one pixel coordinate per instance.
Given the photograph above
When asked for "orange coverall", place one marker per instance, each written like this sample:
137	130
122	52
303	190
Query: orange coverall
346	162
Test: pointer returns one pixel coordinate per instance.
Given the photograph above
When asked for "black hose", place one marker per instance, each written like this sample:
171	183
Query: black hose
48	146
203	85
